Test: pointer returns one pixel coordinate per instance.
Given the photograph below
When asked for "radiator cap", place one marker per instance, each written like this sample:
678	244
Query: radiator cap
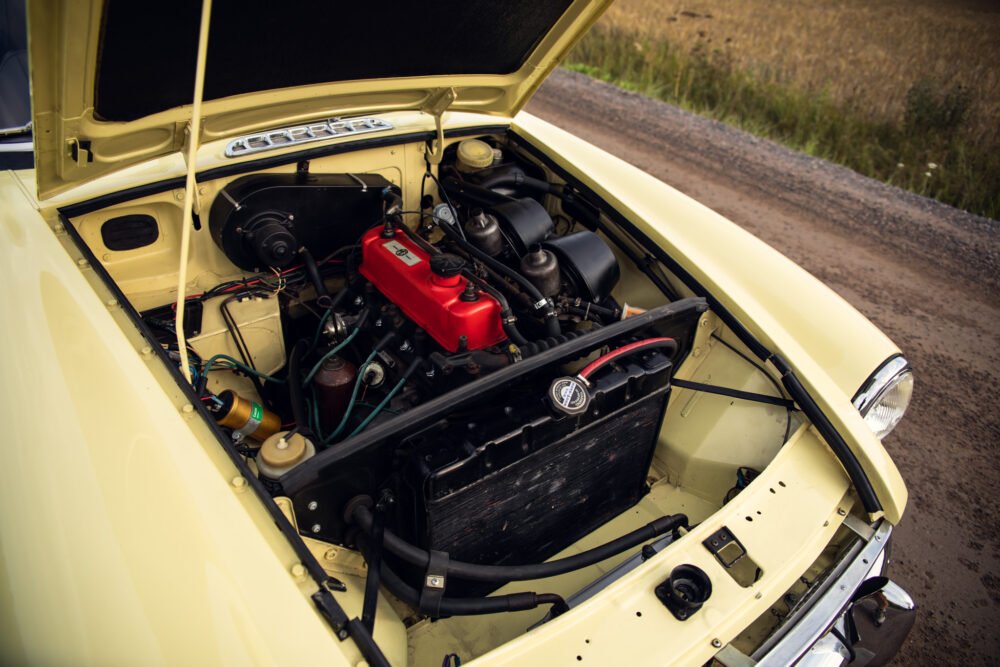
569	395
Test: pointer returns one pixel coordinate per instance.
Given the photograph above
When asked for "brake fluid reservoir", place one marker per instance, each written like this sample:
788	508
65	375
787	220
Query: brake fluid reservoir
281	453
473	155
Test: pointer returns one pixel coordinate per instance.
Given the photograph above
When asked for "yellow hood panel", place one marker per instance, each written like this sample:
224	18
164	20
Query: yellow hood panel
73	145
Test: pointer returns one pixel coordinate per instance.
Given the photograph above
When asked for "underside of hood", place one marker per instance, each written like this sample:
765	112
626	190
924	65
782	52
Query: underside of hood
112	82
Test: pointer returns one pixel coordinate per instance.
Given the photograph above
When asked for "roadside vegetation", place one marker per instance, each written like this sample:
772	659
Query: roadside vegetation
905	91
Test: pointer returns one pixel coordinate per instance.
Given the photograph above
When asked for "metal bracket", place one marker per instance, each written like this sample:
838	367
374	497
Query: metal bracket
863	530
436	105
195	193
79	151
725	547
730	656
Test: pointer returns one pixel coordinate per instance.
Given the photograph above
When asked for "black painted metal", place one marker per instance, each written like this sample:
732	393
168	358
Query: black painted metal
795	388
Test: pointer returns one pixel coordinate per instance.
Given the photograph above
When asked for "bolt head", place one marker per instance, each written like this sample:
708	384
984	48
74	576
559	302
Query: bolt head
717	643
359	301
842	512
316	528
312	505
298	570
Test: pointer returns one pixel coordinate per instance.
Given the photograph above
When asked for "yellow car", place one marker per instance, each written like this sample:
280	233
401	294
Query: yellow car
319	350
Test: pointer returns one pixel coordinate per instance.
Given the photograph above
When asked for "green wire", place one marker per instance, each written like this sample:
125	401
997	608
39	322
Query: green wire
319	329
372	406
315	423
236	364
378	408
330	353
354	398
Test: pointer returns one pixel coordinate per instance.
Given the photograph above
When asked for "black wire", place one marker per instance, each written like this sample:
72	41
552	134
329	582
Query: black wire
777	387
446	198
234	331
843	640
241	346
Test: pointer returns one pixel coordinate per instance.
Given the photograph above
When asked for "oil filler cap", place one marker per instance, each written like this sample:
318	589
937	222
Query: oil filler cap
569	395
447	265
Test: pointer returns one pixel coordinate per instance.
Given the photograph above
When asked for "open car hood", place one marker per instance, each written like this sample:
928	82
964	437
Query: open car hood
112	81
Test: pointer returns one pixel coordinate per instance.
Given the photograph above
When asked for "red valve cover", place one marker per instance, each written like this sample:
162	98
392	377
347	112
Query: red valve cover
401	270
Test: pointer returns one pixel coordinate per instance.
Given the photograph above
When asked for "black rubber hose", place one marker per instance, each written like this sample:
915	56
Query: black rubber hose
585	309
519	179
296	398
497	573
543	344
323	299
473	606
506	320
551	321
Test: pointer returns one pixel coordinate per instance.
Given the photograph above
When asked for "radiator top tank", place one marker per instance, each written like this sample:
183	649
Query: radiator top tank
431	291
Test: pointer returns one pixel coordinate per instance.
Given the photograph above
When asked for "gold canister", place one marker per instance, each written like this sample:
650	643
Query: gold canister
248	418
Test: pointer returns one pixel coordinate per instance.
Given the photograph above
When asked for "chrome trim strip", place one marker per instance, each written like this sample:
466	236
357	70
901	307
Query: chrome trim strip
17	146
303	134
16	131
878	382
794	639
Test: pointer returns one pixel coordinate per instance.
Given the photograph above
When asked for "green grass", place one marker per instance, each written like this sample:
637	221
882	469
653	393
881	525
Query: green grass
928	152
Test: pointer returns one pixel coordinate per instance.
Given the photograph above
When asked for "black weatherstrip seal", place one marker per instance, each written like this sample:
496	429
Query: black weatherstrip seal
269	162
325	603
792	384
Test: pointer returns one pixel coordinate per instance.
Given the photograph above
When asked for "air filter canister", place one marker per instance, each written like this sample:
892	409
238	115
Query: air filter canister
588	263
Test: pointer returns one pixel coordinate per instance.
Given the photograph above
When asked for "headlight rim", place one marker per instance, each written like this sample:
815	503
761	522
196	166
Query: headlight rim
879	383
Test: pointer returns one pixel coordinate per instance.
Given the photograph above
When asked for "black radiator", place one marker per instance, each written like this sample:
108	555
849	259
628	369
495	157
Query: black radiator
521	482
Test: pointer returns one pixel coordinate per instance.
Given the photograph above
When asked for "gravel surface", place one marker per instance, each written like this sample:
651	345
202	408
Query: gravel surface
926	273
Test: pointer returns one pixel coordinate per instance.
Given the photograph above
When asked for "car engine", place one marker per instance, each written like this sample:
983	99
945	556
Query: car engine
463	371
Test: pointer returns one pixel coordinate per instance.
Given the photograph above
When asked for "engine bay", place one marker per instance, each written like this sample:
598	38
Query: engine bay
485	284
462	374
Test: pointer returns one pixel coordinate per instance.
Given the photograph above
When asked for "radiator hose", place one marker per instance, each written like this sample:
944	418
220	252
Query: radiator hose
361	513
470	606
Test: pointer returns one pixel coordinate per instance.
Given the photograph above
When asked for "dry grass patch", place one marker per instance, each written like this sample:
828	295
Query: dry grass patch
908	92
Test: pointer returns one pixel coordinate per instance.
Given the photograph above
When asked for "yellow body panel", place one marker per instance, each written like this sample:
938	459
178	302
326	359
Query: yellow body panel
125	533
125	538
64	45
832	347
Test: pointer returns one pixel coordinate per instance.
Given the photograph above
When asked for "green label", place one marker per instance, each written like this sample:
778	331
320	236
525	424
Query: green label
256	412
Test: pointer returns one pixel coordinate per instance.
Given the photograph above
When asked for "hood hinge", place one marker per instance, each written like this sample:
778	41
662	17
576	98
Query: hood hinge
79	151
195	195
436	105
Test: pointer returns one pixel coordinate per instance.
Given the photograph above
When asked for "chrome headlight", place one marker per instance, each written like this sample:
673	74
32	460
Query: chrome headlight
884	398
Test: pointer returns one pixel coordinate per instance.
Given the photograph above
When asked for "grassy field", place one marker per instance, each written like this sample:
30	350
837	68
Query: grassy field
906	91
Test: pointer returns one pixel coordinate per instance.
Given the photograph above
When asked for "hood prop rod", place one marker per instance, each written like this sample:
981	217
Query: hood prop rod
436	105
193	136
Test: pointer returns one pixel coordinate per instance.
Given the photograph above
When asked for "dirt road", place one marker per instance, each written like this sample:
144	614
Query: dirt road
927	274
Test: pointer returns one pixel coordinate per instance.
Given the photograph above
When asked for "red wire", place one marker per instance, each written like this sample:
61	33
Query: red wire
621	351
